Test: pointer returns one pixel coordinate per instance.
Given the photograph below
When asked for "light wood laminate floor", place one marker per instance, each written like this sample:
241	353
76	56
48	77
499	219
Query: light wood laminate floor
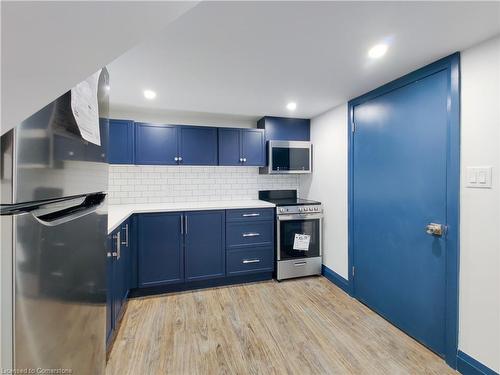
302	326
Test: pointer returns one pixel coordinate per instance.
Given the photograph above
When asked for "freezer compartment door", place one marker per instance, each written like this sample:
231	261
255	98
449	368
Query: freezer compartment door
51	159
60	287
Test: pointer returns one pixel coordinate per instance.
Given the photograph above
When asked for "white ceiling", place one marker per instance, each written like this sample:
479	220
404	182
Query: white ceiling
251	58
48	47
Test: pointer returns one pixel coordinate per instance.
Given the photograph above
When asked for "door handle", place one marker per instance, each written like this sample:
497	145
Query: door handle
250	215
434	229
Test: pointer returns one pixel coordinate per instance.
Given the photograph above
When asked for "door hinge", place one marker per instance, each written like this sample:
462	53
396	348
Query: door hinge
352	271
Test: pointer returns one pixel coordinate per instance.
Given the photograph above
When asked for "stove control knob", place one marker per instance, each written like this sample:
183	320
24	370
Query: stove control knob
301	209
281	210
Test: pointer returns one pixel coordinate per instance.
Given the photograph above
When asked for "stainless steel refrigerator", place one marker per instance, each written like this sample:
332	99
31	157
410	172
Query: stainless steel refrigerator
53	241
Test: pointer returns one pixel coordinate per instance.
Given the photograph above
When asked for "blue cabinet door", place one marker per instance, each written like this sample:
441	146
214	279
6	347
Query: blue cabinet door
285	129
205	245
109	294
160	255
253	147
121	142
197	145
118	277
229	146
155	144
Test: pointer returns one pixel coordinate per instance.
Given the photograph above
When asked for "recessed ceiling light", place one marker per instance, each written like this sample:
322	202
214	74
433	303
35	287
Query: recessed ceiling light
149	94
378	51
291	106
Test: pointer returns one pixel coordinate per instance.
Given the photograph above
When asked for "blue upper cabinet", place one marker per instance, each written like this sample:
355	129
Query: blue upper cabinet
205	251
253	147
121	142
156	144
241	147
197	145
229	146
285	129
160	255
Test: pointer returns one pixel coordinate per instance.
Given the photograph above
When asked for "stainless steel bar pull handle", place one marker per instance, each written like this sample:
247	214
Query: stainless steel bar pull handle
434	229
126	236
246	261
298	264
182	224
251	215
251	234
117	253
186	224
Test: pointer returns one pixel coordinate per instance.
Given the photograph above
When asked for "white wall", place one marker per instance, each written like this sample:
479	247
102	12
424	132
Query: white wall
328	183
479	314
479	334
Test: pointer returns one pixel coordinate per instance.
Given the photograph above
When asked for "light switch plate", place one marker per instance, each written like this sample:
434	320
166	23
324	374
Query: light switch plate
478	177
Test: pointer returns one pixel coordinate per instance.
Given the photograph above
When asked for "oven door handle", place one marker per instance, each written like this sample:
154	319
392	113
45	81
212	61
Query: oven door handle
299	217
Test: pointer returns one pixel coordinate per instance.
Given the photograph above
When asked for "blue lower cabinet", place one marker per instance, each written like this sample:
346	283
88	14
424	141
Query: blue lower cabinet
109	297
250	260
204	247
196	249
117	267
249	233
160	249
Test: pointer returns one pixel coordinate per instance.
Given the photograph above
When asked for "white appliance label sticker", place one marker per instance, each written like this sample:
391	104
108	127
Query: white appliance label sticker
85	108
301	242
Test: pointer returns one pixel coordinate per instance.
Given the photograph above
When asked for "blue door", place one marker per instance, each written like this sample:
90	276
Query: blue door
229	146
155	144
160	243
121	142
197	145
399	188
253	147
205	249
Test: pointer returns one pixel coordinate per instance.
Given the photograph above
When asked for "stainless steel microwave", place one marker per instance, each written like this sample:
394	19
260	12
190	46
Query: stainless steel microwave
285	157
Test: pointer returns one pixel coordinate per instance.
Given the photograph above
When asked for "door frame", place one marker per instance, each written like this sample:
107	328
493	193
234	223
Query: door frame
450	64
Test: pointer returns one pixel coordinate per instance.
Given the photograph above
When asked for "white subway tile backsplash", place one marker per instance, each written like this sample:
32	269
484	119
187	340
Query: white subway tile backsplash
161	184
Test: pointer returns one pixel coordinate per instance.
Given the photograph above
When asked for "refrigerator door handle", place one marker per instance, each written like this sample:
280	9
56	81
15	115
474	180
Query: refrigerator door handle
90	204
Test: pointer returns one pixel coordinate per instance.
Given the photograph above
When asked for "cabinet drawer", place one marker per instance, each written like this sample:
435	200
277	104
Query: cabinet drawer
251	233
250	214
255	259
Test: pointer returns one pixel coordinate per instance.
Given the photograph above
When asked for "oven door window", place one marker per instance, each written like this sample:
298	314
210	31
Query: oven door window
290	159
293	243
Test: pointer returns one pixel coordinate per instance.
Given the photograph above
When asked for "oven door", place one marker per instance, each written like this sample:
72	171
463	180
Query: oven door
289	157
299	236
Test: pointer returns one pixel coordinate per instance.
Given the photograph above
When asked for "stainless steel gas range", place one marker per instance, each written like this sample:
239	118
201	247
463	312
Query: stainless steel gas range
299	225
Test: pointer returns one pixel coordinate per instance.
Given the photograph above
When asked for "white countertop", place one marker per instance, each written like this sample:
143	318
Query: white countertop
117	213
